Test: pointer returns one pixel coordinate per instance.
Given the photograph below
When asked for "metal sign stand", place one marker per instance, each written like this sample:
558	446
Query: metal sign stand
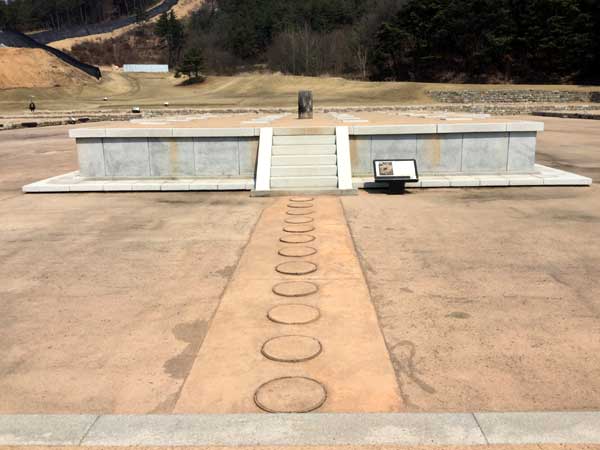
396	172
397	187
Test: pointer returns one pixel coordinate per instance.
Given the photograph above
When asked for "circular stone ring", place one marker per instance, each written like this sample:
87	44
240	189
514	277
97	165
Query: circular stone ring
290	395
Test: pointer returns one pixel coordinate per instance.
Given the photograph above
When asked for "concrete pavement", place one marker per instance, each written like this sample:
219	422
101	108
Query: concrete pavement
302	430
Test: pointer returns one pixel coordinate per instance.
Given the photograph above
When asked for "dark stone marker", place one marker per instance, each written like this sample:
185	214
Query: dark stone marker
305	105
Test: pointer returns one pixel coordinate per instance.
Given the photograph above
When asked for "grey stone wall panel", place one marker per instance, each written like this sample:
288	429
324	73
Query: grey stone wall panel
126	157
485	153
91	157
394	147
248	154
217	157
360	155
172	157
521	152
439	153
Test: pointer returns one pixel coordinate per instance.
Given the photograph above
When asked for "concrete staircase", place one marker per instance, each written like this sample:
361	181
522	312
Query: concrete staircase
307	161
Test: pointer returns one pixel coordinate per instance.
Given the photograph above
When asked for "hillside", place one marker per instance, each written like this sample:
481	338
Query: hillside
182	9
36	68
462	41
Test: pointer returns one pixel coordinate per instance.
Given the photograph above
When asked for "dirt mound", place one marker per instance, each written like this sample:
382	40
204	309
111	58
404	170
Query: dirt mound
184	8
36	68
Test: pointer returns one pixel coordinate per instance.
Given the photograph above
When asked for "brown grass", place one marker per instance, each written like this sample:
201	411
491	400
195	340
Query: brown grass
250	90
36	68
241	91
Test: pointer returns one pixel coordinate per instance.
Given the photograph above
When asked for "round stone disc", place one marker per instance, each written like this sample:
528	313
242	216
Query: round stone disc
298	228
299	212
300	205
297	251
299	220
294	314
301	199
296	268
297	238
291	349
295	288
290	395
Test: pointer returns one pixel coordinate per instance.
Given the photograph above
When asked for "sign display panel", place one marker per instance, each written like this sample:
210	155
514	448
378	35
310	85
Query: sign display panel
398	169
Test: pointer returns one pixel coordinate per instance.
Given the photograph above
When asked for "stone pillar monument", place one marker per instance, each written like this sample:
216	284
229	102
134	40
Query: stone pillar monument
305	105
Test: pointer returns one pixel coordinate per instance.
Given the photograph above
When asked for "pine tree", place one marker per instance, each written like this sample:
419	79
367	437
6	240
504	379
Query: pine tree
193	63
170	30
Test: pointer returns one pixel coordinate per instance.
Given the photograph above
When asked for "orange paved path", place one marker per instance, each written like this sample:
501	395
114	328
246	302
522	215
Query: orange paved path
354	365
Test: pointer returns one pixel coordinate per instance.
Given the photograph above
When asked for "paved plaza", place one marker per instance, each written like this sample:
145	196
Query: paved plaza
440	301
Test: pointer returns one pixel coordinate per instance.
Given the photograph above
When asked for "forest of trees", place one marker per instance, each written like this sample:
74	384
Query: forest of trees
473	40
418	40
426	40
26	15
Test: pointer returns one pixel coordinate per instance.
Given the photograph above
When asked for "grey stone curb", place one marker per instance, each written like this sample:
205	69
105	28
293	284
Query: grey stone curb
541	427
298	429
41	429
71	182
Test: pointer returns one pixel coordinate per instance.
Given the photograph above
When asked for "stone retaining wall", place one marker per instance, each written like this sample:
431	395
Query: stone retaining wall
443	148
229	157
515	96
449	153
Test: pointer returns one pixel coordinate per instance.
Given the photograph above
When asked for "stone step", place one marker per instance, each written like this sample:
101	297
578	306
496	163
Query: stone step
303	171
304	140
304	160
304	150
303	182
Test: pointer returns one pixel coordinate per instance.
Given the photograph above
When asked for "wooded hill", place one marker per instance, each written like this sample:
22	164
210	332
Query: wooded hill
423	40
533	41
27	15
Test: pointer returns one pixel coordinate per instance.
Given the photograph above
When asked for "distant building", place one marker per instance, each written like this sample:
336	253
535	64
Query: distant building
146	68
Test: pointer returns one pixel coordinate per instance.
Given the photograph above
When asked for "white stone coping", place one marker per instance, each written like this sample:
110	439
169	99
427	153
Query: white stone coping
543	176
394	129
318	429
72	182
443	128
446	128
83	133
